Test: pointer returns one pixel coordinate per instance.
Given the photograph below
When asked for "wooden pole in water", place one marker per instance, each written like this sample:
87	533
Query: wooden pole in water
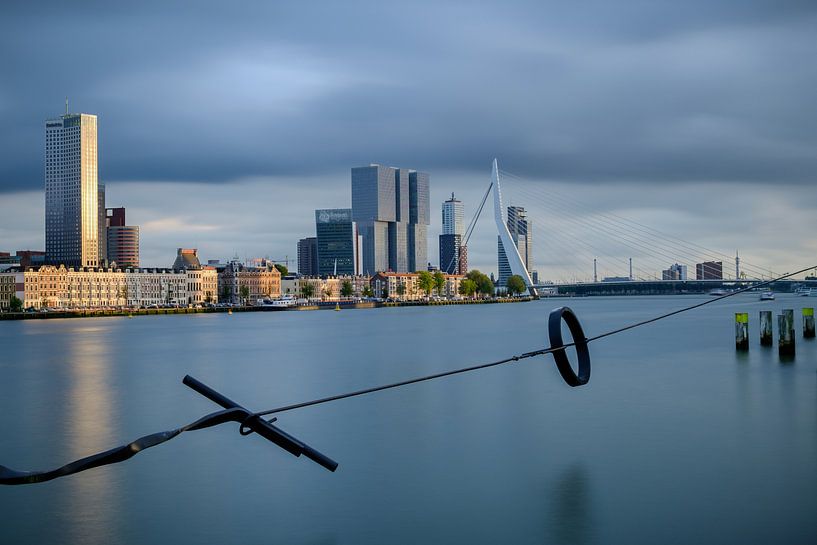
766	338
785	325
808	323
741	331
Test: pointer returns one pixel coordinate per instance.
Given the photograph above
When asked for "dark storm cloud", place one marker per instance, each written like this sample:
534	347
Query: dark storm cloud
585	91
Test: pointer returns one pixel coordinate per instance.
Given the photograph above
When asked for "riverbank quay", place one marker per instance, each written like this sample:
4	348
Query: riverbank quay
456	302
328	305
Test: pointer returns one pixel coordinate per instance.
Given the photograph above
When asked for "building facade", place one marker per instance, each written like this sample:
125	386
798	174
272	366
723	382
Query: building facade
405	286
122	239
674	272
391	208
63	288
709	270
521	230
453	256
338	249
72	191
453	217
308	256
240	284
102	226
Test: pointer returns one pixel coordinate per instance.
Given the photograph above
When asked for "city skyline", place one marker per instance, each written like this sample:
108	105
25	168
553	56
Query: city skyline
706	129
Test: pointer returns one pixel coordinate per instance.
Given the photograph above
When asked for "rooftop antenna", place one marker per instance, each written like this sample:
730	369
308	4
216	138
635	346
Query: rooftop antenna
66	105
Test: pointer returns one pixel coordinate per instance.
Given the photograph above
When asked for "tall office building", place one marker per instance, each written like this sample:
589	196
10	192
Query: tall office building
419	219
709	270
72	191
391	207
122	239
453	258
102	225
308	256
521	229
674	272
453	217
337	236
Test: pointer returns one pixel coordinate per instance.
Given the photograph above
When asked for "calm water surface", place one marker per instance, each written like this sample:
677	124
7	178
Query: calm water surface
675	440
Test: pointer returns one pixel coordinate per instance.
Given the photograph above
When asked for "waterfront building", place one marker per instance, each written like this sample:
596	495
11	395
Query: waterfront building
338	242
404	286
8	288
66	287
324	289
186	258
709	270
122	239
675	272
258	282
308	256
521	230
391	207
72	191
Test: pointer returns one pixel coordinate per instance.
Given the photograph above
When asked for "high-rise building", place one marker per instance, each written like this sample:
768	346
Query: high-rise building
391	207
674	272
521	230
453	256
308	256
450	257
337	242
122	239
72	191
419	219
453	217
101	224
709	270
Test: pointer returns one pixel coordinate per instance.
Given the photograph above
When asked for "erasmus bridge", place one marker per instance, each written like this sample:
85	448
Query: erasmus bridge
585	251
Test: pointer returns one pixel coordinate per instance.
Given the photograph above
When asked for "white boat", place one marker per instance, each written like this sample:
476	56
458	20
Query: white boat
283	302
767	296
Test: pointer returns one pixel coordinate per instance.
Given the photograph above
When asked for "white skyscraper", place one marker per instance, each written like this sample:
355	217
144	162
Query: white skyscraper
452	217
71	191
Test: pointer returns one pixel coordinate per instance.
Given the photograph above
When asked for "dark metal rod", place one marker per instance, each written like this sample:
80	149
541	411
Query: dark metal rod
262	427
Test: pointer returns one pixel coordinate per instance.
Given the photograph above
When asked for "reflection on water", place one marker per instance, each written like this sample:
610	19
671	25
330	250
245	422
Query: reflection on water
90	419
673	441
571	515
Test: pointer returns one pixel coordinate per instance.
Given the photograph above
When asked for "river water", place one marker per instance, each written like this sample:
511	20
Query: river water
676	439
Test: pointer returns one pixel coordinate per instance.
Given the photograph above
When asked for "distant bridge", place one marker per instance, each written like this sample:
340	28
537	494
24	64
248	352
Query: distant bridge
663	287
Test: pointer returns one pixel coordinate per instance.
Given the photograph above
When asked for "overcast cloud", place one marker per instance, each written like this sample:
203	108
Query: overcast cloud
212	109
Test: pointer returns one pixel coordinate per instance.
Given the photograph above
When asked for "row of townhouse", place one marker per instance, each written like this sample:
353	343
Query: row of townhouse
61	287
406	286
384	284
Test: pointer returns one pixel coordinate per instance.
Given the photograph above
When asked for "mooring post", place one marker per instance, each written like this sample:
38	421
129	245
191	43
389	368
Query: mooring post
741	331
808	323
766	338
785	326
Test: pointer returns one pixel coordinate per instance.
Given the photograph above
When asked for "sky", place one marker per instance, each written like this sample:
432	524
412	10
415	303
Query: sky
224	127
